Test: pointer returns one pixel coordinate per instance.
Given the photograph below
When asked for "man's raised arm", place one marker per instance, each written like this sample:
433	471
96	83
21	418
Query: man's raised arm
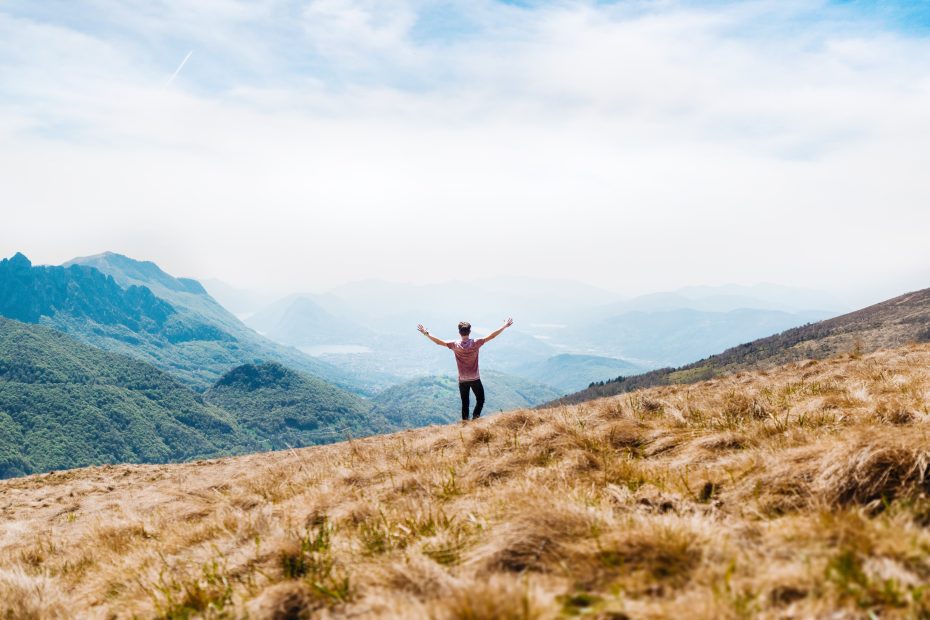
426	333
497	332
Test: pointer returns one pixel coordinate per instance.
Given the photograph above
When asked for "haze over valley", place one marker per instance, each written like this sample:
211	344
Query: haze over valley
366	325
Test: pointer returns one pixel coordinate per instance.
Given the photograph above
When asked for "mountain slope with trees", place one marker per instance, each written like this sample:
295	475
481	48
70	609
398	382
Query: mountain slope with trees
65	404
289	409
143	312
191	300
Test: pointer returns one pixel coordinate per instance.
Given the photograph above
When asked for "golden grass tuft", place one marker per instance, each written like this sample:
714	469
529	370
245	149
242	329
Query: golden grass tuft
874	470
30	597
662	554
794	492
533	539
498	598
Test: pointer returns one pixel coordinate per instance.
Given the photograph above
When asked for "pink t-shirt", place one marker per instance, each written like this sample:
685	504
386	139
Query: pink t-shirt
466	357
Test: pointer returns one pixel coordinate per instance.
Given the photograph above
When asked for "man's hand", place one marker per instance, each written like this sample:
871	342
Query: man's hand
497	332
426	333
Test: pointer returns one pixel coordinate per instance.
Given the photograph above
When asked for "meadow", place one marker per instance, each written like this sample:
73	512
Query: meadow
795	492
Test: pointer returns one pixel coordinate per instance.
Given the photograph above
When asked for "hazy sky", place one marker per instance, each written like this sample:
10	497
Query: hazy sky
635	145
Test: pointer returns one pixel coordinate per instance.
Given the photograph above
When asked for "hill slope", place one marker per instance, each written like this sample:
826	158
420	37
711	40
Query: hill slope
436	400
192	301
66	404
892	323
289	409
799	492
142	311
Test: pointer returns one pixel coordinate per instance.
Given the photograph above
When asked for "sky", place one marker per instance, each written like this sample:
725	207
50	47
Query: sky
634	145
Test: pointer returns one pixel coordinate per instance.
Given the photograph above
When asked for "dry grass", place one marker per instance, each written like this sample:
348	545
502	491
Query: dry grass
794	492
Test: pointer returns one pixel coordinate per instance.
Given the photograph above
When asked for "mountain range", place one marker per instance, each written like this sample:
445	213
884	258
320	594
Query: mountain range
106	359
109	359
674	337
893	323
365	327
133	307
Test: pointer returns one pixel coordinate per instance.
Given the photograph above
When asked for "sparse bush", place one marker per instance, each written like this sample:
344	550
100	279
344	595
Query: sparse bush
738	407
310	559
892	411
208	594
378	536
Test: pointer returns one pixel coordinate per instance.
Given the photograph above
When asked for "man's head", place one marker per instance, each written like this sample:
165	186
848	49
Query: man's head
464	328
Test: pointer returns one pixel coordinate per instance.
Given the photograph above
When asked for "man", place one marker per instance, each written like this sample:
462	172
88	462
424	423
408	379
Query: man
466	357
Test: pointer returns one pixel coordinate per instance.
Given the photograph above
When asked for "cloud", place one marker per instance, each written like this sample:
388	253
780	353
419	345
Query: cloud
637	145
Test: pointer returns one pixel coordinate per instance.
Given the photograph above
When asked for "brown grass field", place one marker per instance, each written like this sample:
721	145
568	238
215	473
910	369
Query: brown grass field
799	492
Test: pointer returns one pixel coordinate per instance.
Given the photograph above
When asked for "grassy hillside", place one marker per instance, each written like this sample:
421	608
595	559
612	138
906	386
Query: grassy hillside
568	372
288	409
893	323
66	404
213	341
796	492
436	400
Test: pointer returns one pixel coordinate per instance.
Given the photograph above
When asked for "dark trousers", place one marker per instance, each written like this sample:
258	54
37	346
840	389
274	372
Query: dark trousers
464	387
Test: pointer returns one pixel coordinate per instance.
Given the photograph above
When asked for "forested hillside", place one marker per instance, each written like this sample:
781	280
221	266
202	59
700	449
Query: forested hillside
191	300
171	323
65	404
288	409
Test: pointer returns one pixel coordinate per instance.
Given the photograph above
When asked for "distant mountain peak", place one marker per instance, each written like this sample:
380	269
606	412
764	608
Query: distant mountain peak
19	260
128	271
28	293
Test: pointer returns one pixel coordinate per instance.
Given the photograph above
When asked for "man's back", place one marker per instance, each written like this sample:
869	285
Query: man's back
466	357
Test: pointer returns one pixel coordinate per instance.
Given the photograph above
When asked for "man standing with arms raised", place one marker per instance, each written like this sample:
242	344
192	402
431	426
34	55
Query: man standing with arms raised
466	357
